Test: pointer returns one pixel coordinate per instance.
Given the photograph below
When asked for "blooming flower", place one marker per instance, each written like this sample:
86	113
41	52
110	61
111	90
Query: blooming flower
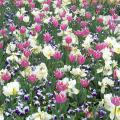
11	88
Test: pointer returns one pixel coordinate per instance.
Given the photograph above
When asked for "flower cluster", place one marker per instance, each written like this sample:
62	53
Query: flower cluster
60	60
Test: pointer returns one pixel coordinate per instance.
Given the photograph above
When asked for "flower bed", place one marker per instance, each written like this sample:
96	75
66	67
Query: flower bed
60	60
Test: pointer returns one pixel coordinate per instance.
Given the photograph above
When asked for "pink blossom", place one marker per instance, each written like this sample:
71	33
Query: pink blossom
88	15
58	74
26	53
20	17
55	22
61	97
1	45
47	37
37	28
23	30
26	44
61	86
99	29
72	58
84	83
115	74
3	32
6	76
2	2
63	26
69	18
32	5
115	101
12	28
81	59
20	46
100	20
37	19
57	55
32	78
68	39
97	54
101	46
24	63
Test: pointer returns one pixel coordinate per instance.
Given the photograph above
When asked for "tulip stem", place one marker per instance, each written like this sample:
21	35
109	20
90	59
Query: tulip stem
115	113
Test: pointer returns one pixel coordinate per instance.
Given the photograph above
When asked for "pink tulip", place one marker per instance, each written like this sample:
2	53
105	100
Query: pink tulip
63	26
19	3
81	59
47	37
55	22
37	19
101	46
20	46
26	44
20	17
72	58
84	24
84	83
61	97
100	20
97	54
26	53
68	39
62	14
1	45
3	32
24	63
90	51
99	29
23	30
6	76
32	5
115	101
69	18
61	86
58	74
57	55
12	28
115	72
32	78
37	28
88	15
2	2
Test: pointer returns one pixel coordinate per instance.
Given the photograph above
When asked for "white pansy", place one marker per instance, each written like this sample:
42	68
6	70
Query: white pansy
66	68
87	42
41	115
105	83
82	12
78	72
10	48
11	88
26	19
27	71
106	54
75	51
13	57
116	48
48	51
107	102
71	86
111	41
41	71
